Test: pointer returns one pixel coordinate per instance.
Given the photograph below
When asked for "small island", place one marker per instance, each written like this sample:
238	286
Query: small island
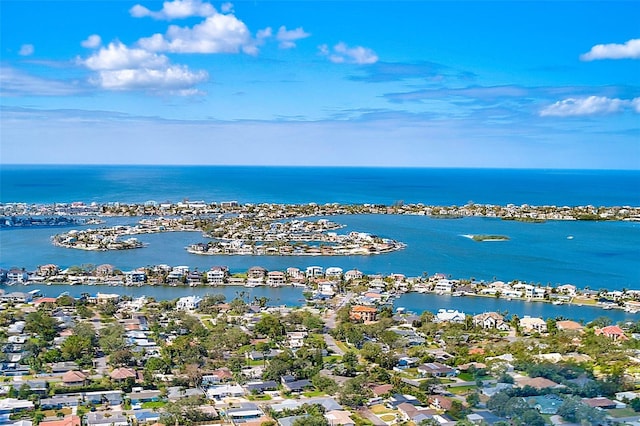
485	237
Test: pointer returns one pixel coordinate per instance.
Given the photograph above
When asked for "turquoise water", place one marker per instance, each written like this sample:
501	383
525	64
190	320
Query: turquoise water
600	254
48	184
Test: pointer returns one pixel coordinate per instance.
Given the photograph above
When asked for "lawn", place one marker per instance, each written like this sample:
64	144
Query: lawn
259	397
461	390
313	394
380	409
388	417
154	404
621	412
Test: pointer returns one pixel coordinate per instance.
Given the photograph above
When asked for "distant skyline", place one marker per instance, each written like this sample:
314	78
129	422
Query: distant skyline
503	84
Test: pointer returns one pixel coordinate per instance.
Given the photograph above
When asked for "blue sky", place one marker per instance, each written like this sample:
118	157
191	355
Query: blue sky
364	83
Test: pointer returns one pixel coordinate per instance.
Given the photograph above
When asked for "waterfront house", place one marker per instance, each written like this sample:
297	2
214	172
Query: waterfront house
188	303
104	298
295	274
533	324
450	315
104	270
256	272
443	286
333	272
612	332
47	270
353	274
135	277
216	275
17	276
314	271
276	278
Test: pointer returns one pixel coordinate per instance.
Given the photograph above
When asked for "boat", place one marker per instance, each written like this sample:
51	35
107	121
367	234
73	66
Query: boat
558	302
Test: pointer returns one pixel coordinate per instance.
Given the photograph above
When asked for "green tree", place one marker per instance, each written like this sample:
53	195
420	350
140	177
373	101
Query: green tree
41	324
112	338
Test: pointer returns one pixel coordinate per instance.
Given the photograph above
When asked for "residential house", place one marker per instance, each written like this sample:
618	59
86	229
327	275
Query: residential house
364	313
602	403
104	270
353	274
612	332
218	392
246	411
444	286
569	326
489	320
71	420
135	277
533	324
537	383
290	384
436	369
450	315
48	270
112	397
333	272
216	275
295	339
339	417
188	303
106	419
261	387
314	271
276	278
74	378
17	276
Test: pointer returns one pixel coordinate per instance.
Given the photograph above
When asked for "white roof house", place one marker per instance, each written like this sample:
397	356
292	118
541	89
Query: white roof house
188	303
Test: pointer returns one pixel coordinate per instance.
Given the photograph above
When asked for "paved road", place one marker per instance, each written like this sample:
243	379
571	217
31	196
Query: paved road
330	323
367	414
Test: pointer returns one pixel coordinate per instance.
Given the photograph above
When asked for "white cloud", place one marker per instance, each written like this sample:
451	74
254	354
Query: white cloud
288	38
591	105
26	50
117	56
216	34
176	9
176	78
628	50
341	53
119	67
635	103
92	42
227	7
264	34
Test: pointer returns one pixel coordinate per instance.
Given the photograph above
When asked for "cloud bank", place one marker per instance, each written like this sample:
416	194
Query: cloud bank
592	105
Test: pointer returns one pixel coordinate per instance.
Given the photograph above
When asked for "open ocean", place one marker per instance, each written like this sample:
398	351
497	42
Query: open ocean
600	254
